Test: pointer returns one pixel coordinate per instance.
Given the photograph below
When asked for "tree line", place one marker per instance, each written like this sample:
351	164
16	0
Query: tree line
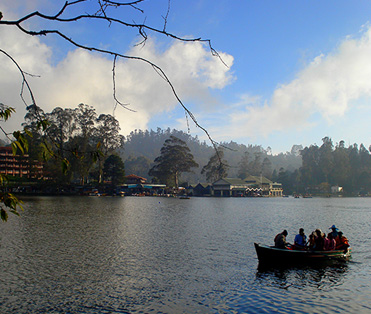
329	165
96	151
322	168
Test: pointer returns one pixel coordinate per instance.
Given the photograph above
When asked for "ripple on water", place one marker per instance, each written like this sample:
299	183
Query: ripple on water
136	255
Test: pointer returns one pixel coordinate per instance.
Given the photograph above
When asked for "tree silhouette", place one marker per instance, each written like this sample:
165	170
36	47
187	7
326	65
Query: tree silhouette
175	158
214	170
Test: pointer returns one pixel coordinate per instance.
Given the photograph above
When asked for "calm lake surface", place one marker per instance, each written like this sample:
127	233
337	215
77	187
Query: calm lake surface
166	255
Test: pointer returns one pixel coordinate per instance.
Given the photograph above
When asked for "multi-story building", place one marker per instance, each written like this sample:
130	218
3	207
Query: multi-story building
19	166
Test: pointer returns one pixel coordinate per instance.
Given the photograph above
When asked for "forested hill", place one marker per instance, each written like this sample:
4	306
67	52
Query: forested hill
142	147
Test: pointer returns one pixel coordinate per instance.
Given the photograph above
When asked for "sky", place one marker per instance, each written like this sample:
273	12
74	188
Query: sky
289	72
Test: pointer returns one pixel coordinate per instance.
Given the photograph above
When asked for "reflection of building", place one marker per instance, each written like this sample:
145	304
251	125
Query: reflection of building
19	166
251	186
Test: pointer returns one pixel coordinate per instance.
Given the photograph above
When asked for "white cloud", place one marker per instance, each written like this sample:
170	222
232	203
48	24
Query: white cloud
328	87
84	77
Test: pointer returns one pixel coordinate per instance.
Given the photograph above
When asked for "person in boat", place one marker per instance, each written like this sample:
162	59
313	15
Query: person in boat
311	240
319	241
334	232
300	240
280	240
342	242
330	243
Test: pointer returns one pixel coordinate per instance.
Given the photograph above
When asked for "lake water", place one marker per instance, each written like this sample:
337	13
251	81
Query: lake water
166	255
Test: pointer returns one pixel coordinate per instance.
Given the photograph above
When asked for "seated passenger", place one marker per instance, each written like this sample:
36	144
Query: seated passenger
280	240
330	243
342	243
334	231
300	241
319	242
312	237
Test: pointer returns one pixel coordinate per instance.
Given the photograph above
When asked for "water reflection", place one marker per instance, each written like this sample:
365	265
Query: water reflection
317	276
151	255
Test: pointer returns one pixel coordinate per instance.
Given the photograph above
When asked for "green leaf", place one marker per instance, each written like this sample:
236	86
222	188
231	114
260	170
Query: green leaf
28	132
4	215
14	148
15	212
65	165
3	178
43	124
6	112
19	146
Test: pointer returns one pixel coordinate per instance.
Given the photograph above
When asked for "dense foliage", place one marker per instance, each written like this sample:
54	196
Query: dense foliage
327	166
78	136
114	170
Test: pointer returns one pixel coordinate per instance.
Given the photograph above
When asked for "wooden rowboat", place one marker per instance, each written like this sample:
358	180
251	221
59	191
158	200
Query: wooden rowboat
272	255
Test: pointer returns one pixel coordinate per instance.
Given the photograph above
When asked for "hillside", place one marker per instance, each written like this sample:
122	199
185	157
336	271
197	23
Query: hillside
142	147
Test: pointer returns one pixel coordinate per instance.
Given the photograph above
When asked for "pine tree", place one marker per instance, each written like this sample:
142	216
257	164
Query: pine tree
175	158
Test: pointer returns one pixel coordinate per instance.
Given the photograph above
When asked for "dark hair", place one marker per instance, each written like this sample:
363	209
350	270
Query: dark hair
284	232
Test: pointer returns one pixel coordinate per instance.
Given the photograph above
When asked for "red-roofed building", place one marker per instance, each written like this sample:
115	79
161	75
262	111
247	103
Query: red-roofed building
134	179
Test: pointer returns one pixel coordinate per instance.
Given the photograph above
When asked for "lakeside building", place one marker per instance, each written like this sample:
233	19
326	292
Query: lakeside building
200	189
134	179
136	185
250	186
19	166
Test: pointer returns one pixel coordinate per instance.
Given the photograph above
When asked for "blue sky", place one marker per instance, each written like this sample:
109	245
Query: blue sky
297	70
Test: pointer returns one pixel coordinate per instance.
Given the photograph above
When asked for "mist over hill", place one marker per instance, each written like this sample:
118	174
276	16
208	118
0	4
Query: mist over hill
142	147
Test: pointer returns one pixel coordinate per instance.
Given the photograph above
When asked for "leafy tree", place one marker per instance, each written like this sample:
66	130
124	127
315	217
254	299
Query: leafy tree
175	158
62	127
255	166
107	134
243	169
324	167
114	170
310	169
326	158
83	142
341	164
77	135
216	168
267	168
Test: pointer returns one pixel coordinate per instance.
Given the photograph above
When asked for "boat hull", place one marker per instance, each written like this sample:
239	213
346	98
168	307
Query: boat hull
271	255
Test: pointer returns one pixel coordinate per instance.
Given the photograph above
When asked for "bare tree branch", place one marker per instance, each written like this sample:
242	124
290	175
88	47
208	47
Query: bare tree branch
167	15
114	88
102	15
24	80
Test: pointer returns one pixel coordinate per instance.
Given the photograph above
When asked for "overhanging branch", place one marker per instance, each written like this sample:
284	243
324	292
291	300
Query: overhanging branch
102	15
